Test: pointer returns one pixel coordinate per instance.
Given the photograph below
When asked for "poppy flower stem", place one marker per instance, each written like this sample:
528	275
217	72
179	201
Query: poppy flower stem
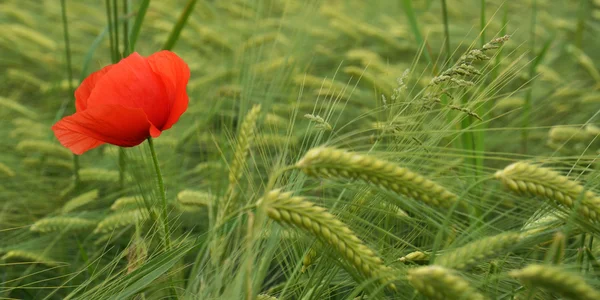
163	194
122	166
76	170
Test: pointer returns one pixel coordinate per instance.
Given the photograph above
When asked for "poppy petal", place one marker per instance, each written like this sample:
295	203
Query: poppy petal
175	75
82	93
113	124
132	83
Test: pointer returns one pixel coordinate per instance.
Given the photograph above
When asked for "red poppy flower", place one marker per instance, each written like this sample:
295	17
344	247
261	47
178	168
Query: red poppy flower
125	103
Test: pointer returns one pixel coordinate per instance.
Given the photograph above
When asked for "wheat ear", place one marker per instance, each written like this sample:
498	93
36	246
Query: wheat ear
308	259
244	140
120	219
437	282
44	147
127	202
265	297
478	251
80	201
530	179
98	175
563	134
543	221
137	254
27	133
17	107
62	223
296	211
276	121
53	163
195	198
556	280
330	162
28	256
417	257
6	171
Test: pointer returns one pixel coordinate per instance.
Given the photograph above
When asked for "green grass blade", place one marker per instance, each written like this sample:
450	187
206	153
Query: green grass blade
137	25
150	271
176	31
126	28
482	23
90	53
71	98
116	29
488	105
414	26
65	24
110	31
446	32
581	20
63	6
527	106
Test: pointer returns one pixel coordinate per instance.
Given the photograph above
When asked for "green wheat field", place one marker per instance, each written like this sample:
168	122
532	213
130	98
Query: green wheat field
332	149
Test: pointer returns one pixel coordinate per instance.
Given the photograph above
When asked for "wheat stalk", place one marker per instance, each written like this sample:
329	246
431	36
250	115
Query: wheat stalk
298	212
62	224
437	282
530	179
478	251
330	162
554	279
